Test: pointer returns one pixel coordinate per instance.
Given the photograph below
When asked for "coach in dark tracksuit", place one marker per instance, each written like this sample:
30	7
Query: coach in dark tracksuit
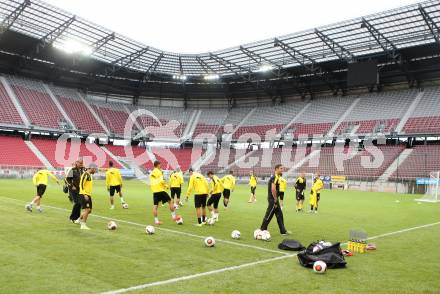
274	205
72	179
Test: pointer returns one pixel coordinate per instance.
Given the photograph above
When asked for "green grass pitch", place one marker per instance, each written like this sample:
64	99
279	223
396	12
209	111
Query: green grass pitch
45	253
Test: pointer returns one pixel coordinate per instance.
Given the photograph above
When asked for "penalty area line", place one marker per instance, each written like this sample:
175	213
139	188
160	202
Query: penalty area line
158	228
245	265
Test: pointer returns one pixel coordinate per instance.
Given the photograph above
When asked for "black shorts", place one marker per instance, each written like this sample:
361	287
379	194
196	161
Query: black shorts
114	189
299	195
281	195
41	189
86	202
214	200
176	192
253	190
161	197
200	200
226	193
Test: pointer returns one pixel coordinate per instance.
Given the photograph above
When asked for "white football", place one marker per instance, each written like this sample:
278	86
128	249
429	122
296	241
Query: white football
112	225
257	234
210	221
150	230
265	236
209	241
125	206
235	234
319	267
179	220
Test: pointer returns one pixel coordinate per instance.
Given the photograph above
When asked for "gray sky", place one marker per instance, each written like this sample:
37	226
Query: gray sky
194	26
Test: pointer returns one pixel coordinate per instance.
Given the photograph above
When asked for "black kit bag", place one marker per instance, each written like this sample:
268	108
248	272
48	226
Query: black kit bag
331	255
291	245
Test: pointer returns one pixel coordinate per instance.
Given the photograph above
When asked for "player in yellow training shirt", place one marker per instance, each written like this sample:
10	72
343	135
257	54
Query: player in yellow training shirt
229	186
283	184
159	187
215	190
40	181
300	186
198	184
113	181
253	185
315	193
85	194
176	182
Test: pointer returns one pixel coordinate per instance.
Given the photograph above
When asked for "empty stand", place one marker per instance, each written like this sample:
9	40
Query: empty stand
210	121
426	117
38	105
423	160
15	152
77	110
8	112
113	115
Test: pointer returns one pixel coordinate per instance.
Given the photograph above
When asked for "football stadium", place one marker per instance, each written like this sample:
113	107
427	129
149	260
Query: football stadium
306	162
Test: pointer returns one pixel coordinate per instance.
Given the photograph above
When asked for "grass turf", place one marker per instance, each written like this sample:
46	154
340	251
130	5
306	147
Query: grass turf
46	253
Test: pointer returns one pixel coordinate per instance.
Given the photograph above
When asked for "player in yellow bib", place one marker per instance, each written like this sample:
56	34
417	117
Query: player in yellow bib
113	181
315	193
253	185
228	187
40	181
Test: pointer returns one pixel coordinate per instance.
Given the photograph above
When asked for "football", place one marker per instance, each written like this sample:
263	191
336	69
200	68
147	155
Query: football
235	234
210	221
112	225
209	241
125	206
265	236
149	230
319	267
257	234
179	220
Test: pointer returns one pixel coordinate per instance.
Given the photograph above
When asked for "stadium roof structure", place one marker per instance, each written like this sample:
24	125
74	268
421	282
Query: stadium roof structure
320	52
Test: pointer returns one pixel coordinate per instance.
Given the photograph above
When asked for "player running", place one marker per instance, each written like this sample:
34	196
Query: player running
72	180
176	182
159	187
283	186
273	202
300	186
199	184
216	189
315	194
40	181
253	185
85	194
229	186
113	181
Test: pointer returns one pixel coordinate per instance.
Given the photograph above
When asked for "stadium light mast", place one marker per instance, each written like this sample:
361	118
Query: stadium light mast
341	53
432	25
9	20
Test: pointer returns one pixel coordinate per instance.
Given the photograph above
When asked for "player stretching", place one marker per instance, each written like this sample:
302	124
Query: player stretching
159	187
40	180
283	186
85	194
229	186
113	181
216	190
273	203
176	182
300	186
315	194
253	185
199	184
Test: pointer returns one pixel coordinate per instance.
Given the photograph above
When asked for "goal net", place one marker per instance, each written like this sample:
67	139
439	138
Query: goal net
433	188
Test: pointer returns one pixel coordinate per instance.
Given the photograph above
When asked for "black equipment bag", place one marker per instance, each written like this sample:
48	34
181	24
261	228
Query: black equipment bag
331	255
291	245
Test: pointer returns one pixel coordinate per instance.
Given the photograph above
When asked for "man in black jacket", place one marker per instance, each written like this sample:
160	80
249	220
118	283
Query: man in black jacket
273	202
72	180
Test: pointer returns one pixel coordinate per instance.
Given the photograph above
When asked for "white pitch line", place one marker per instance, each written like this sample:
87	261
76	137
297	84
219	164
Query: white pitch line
245	265
159	228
